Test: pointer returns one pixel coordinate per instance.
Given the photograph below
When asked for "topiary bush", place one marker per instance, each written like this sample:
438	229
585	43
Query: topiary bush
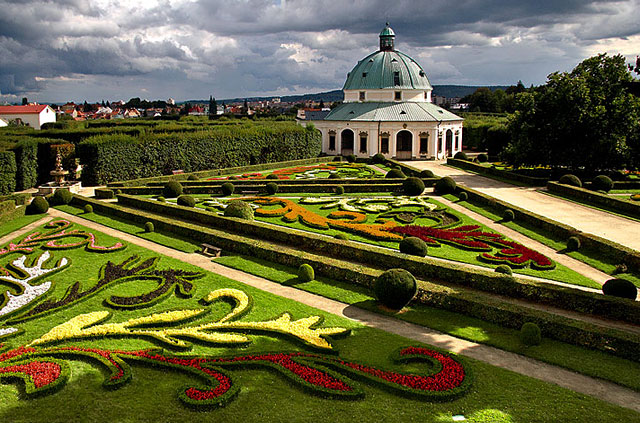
161	199
63	196
460	156
413	186
334	176
444	186
272	176
573	243
227	189
530	334
395	288
88	208
172	189
414	246
570	180
483	158
378	158
339	190
192	178
271	188
306	273
238	208
117	192
504	269
341	236
351	158
463	196
602	183
38	206
186	200
620	288
426	174
148	227
232	178
508	215
395	173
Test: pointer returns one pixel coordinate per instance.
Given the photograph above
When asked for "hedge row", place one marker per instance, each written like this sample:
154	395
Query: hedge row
9	211
406	168
454	299
426	268
483	170
613	252
317	181
486	136
116	157
20	199
7	172
597	199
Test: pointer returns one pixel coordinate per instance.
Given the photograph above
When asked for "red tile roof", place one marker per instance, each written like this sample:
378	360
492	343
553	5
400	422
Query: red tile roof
15	110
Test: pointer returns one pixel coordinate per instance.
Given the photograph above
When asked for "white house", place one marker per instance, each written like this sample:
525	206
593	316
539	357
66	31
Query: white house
387	109
3	123
34	115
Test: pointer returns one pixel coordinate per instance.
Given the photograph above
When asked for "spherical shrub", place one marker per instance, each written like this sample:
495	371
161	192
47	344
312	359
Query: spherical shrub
426	174
508	215
306	273
530	334
602	183
117	192
238	208
148	227
334	176
635	197
463	196
445	185
63	196
186	200
620	288
161	199
88	208
378	158
482	158
227	189
395	288
38	206
573	243
271	188
351	158
339	190
192	177
505	269
272	176
341	236
413	186
414	246
395	173
570	180
460	156
172	189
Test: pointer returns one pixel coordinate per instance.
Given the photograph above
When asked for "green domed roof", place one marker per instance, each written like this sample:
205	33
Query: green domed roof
379	70
387	31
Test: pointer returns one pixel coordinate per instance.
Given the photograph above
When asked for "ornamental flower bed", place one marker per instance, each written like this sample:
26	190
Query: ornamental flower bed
345	170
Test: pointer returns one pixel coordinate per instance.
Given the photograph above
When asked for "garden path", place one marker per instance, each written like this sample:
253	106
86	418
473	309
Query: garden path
603	390
586	219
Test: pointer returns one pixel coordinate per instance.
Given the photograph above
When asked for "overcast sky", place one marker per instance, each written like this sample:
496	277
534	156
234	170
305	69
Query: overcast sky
55	51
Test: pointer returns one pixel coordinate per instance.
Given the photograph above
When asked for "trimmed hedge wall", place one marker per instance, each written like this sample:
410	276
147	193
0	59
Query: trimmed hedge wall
483	170
20	199
116	157
404	167
9	211
7	172
426	268
26	164
595	198
317	181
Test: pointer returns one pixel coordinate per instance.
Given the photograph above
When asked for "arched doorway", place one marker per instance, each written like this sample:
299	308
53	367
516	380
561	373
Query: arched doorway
346	143
404	145
449	143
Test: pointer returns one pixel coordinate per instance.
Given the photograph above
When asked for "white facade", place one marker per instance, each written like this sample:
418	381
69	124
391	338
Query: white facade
34	116
3	123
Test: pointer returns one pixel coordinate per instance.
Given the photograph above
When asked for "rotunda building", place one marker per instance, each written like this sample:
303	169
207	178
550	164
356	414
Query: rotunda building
387	109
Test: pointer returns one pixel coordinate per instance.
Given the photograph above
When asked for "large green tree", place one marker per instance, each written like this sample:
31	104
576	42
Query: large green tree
582	119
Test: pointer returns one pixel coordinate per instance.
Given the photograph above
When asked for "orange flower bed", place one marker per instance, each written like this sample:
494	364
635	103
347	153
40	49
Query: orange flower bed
354	217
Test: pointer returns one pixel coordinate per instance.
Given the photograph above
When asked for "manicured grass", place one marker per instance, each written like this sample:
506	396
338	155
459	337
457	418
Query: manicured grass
18	223
151	395
585	361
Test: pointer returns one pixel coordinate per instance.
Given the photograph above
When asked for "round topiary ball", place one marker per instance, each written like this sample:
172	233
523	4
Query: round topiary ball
192	177
172	189
339	190
620	288
186	200
573	243
351	158
378	158
88	208
602	183
508	215
63	196
334	176
161	199
117	192
306	273
530	334
238	208
396	174
460	156
426	174
482	158
272	176
414	246
227	189
148	227
271	188
444	186
341	236
570	180
413	186
395	288
504	269
463	196
38	206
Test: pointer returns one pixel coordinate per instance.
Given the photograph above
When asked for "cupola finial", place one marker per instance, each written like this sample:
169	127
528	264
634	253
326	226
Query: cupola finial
387	37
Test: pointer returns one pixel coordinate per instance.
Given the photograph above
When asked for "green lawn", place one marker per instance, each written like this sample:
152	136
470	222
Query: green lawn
18	223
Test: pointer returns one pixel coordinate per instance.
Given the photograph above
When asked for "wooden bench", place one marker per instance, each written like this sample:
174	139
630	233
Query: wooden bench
210	250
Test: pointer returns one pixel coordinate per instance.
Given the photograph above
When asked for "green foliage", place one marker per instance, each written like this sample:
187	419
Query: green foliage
339	190
148	227
508	215
573	243
413	186
104	193
161	199
334	176
463	196
504	269
62	196
227	189
351	158
306	273
7	172
172	189
186	200
341	236
378	158
530	334
395	288
482	157
602	183
272	176
461	155
271	188
444	186
620	288
425	174
88	208
192	177
238	208
572	180
414	246
26	152
396	174
38	206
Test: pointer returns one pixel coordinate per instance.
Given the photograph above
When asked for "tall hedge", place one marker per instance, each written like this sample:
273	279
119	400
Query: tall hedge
26	153
107	158
7	172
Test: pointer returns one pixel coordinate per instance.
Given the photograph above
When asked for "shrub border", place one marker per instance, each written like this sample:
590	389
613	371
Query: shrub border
595	198
490	171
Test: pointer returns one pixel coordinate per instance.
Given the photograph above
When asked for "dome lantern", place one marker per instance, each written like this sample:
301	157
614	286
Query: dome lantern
387	37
